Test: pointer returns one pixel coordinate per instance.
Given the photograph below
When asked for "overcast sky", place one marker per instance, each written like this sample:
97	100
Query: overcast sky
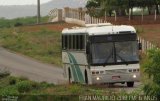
21	2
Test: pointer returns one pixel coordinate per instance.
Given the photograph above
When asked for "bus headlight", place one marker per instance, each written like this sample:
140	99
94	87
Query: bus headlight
134	76
97	78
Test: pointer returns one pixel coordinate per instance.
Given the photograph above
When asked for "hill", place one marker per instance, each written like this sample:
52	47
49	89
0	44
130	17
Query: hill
15	11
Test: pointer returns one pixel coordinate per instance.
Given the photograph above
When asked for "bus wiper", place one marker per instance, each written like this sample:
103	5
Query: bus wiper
122	59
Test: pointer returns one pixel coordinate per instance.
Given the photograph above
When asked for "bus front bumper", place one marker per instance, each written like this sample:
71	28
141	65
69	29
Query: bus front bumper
104	78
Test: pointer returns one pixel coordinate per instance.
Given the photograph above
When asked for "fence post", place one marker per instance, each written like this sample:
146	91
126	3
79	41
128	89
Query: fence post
66	12
142	14
59	15
115	15
80	13
155	16
129	15
143	45
94	20
105	16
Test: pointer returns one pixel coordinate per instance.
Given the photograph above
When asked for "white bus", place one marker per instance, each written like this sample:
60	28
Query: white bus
101	54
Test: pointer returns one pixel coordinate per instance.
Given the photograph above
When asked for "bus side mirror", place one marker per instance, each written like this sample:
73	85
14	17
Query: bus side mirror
140	46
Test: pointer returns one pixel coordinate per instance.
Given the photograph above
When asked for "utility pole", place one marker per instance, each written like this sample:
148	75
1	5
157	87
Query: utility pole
38	12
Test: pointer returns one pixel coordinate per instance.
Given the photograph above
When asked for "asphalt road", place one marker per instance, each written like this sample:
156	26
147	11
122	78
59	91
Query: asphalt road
20	65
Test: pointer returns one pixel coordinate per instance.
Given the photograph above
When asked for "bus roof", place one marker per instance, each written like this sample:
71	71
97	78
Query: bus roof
76	30
111	30
100	30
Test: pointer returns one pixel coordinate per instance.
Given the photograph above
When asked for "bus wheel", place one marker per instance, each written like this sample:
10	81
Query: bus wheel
130	84
86	77
69	76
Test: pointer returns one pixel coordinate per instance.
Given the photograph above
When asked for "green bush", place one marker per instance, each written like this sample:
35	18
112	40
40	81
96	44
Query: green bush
45	85
12	80
22	78
18	24
10	90
152	70
76	89
24	86
35	85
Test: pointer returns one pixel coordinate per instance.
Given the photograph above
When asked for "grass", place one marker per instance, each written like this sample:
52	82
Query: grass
27	90
16	86
19	86
43	44
10	85
7	23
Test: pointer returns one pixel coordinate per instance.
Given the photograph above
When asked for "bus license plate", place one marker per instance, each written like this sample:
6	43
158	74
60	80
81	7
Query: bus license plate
116	77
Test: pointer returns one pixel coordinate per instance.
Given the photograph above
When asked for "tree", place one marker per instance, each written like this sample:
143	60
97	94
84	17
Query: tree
121	6
157	3
108	6
92	5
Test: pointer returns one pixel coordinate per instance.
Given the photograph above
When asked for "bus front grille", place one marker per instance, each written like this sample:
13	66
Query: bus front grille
117	71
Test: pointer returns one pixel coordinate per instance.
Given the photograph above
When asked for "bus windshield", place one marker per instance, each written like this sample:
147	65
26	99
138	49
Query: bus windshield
115	52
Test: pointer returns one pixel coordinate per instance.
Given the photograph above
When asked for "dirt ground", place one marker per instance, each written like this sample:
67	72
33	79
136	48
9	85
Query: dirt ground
54	27
150	32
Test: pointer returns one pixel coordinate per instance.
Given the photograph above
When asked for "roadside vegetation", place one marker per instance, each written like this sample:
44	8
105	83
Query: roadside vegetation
27	90
43	44
151	68
7	23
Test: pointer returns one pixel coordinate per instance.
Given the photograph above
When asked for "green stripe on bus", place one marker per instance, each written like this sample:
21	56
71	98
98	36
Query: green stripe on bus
75	76
78	70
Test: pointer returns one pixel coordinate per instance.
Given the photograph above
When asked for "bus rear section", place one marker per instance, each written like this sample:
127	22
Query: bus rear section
75	65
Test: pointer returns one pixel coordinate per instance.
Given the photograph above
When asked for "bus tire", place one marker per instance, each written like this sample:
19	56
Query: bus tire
130	84
86	77
69	76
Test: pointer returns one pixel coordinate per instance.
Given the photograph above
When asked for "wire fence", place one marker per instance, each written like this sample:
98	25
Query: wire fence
146	45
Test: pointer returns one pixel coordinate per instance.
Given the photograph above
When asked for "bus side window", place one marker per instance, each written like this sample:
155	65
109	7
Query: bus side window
70	41
77	42
74	42
81	41
62	41
66	42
